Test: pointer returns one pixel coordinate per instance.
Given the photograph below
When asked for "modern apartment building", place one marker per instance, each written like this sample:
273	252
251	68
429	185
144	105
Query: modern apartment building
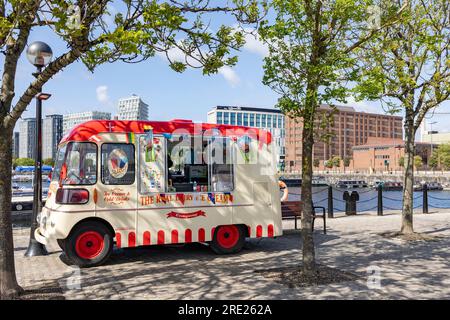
15	145
52	129
271	120
72	119
132	108
347	128
27	134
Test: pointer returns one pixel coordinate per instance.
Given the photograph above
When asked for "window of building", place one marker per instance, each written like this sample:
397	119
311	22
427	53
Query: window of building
117	164
263	118
269	121
239	119
226	118
252	120
219	118
233	118
245	119
258	120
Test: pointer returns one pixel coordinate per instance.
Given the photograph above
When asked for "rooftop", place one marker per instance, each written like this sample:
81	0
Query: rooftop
251	109
87	130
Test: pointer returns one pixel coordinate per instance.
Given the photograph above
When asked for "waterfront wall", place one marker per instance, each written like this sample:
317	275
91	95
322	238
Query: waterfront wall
421	176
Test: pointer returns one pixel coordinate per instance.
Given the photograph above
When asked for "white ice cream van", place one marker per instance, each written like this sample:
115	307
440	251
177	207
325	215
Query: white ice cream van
140	183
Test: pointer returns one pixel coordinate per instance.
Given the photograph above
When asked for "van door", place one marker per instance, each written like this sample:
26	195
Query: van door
152	199
117	190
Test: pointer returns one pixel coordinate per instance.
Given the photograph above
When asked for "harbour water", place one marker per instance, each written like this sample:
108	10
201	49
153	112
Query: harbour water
368	198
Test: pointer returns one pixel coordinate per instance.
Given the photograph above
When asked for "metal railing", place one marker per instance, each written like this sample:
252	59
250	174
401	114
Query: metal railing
336	203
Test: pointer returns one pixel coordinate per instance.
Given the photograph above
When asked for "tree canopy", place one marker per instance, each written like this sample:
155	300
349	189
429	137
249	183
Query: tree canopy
407	68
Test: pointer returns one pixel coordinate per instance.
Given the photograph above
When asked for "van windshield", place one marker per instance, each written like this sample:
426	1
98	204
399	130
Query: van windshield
76	164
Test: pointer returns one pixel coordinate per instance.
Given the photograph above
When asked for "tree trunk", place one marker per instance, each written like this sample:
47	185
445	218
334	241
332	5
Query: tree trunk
408	179
8	282
309	260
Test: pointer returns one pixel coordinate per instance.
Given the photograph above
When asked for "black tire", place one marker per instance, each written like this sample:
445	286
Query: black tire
77	247
221	244
62	244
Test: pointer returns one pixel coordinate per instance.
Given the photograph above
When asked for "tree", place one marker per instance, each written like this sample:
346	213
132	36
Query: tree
418	162
23	162
441	157
49	162
311	59
316	163
94	35
408	69
336	160
346	162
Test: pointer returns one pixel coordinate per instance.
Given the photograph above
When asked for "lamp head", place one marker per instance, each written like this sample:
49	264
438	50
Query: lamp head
39	54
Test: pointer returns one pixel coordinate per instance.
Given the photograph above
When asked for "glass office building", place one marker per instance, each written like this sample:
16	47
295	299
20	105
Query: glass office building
271	120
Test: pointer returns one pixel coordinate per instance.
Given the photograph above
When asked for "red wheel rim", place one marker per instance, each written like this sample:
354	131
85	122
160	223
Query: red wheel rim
227	236
89	244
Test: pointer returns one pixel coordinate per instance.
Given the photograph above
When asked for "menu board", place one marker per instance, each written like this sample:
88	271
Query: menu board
152	159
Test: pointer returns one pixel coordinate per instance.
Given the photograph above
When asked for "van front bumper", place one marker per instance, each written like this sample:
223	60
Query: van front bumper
39	237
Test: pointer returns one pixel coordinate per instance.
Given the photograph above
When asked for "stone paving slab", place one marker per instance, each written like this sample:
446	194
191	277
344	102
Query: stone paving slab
406	270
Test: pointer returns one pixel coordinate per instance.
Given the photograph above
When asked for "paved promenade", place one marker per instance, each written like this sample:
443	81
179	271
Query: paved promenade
402	270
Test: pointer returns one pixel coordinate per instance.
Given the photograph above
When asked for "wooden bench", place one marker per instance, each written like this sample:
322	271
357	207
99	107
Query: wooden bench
294	209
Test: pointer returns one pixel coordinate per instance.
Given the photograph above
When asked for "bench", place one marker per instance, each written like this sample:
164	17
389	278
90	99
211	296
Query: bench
293	209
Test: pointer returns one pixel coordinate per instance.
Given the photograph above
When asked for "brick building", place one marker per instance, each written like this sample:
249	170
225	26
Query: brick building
347	128
380	155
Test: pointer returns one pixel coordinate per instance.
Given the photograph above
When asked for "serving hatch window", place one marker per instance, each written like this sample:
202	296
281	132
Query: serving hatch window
76	164
200	167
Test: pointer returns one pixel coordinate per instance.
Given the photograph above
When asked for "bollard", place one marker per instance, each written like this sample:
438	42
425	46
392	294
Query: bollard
425	198
330	202
354	197
350	202
380	200
346	198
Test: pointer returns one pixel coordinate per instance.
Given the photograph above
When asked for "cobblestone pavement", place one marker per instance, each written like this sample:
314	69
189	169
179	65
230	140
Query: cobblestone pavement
407	270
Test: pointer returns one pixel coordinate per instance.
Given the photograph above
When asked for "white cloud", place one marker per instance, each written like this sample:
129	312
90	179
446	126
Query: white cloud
177	55
230	75
255	45
102	94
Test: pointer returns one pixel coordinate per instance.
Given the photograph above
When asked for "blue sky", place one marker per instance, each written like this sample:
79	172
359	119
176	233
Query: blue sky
170	95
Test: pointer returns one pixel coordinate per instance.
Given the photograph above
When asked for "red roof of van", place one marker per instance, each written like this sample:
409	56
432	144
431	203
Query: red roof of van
85	131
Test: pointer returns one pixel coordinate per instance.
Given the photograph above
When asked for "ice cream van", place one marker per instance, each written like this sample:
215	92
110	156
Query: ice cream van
141	183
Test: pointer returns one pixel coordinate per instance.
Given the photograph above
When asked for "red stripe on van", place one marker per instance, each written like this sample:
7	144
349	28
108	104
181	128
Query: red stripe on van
146	240
270	230
201	235
174	236
161	237
212	232
132	239
188	236
259	231
118	240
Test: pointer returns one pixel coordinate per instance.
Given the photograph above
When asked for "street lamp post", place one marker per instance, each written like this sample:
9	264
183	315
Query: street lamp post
39	54
431	140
